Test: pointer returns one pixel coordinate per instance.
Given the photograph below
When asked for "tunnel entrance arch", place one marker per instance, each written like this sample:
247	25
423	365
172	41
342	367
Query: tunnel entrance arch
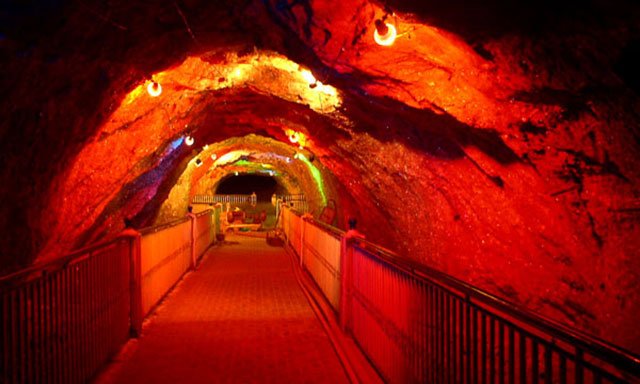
245	184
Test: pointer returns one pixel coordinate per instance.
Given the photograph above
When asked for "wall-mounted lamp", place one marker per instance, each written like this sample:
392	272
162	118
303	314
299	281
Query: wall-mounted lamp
235	173
189	140
385	33
294	137
154	89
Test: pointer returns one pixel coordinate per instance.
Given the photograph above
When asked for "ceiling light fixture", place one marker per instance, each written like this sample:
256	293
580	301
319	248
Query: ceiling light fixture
385	33
154	89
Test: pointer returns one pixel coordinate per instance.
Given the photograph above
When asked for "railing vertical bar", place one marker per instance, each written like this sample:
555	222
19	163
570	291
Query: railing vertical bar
579	367
439	335
13	336
455	352
74	327
432	347
548	364
512	356
468	340
483	346
32	332
563	369
523	357
4	348
22	360
54	327
474	345
501	349
450	343
40	370
461	345
534	361
492	349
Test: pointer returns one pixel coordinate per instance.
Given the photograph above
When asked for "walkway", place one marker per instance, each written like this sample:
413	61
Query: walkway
240	318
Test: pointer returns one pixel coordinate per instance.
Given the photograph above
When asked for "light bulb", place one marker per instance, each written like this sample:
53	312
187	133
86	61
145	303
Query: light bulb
384	34
189	140
294	137
154	89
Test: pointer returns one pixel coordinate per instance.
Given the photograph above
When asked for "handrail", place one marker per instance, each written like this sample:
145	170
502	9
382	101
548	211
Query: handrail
333	231
160	227
601	349
605	350
203	213
37	270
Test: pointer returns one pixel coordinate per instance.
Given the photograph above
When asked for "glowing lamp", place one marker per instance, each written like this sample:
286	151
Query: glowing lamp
294	137
385	34
206	146
189	140
214	157
235	173
198	162
154	89
308	76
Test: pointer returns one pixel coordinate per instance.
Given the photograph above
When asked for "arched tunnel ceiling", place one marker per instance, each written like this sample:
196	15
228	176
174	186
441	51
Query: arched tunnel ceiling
497	142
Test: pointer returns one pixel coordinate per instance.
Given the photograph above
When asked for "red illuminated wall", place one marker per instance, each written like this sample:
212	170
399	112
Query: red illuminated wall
501	148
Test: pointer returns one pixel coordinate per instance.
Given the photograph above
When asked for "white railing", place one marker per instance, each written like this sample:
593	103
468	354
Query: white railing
62	321
419	325
223	199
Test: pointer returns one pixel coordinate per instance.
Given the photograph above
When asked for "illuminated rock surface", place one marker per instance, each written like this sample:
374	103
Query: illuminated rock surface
497	143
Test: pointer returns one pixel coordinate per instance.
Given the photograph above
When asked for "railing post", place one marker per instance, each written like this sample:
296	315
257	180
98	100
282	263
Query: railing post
346	275
302	228
135	280
192	217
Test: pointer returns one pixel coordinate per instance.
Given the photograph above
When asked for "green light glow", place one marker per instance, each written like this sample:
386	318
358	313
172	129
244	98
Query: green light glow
317	176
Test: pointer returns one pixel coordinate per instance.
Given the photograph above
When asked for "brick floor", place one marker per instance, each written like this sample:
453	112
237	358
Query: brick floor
240	318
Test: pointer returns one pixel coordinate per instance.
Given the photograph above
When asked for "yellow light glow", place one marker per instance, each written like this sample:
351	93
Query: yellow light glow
154	89
382	37
189	140
133	95
294	137
308	76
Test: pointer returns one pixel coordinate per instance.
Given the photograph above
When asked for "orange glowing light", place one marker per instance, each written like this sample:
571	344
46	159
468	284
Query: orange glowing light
154	89
308	76
384	34
189	140
294	137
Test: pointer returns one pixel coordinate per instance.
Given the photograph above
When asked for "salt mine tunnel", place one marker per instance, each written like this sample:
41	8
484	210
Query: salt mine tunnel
494	141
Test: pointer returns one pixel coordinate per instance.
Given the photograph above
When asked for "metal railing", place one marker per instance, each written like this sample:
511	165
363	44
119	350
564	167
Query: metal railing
232	199
61	321
419	325
296	201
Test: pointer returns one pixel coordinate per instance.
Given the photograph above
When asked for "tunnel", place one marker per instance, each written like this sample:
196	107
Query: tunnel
497	143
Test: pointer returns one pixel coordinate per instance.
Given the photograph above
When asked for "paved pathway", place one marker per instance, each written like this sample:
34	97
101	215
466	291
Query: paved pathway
240	318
